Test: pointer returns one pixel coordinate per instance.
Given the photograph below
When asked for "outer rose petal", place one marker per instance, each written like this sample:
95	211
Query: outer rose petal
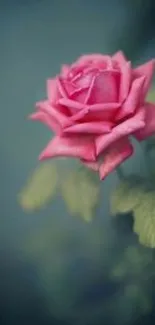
60	85
86	59
81	115
44	118
125	128
149	128
90	128
65	70
146	70
120	58
54	113
52	90
96	112
125	81
117	153
133	99
77	147
101	112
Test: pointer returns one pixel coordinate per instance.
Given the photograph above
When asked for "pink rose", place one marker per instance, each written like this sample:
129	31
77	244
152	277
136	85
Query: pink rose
93	106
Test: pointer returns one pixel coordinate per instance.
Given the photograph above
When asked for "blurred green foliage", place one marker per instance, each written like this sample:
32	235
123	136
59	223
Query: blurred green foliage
40	187
151	95
137	195
136	270
80	192
71	261
78	187
127	195
144	220
135	262
59	253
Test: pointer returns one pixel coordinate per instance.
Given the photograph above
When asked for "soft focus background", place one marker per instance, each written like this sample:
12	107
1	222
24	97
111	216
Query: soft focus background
56	268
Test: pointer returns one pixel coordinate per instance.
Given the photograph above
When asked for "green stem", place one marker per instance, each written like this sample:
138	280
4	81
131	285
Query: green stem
120	173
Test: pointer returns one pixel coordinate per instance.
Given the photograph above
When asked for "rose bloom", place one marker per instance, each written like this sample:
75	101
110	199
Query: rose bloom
93	106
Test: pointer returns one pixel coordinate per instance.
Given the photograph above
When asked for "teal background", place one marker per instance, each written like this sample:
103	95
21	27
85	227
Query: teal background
62	280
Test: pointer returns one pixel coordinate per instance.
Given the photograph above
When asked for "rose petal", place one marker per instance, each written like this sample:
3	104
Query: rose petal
97	112
117	153
104	88
65	70
67	86
52	90
79	95
147	70
85	59
123	129
149	128
73	92
105	108
71	104
80	115
77	147
133	99
120	58
54	113
90	127
61	87
89	91
125	81
84	79
44	118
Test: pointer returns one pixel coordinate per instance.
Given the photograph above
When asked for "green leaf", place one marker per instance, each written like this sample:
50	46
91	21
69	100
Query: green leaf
134	195
144	220
80	192
127	195
40	187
